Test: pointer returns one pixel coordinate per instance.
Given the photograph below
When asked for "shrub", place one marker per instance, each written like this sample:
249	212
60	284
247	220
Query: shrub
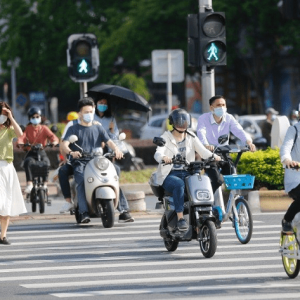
265	165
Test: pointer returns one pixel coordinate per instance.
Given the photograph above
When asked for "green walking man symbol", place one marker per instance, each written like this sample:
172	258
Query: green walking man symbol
213	50
83	67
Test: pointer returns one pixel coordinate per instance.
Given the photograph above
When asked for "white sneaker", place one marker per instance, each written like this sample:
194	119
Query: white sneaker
28	189
66	207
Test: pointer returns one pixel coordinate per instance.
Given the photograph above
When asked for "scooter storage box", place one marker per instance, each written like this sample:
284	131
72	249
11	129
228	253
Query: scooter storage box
157	190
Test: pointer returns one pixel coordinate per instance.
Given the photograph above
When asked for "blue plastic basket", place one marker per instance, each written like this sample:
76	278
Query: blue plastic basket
239	182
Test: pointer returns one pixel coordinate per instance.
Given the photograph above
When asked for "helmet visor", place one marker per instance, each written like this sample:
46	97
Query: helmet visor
182	121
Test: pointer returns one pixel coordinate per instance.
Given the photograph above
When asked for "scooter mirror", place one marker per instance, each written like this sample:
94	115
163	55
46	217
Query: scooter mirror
73	138
223	139
122	136
158	141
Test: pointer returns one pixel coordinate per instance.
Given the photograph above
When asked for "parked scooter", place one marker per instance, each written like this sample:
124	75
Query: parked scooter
101	185
198	206
38	194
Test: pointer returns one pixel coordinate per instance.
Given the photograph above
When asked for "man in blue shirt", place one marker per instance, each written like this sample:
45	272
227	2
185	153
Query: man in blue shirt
90	136
211	126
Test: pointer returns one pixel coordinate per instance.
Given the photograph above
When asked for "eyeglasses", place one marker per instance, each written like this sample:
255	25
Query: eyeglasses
36	117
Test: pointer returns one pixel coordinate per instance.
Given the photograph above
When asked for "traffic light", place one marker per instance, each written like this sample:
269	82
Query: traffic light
83	57
212	39
290	9
207	39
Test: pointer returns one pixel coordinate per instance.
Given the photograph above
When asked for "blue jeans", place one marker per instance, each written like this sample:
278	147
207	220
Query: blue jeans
63	175
123	203
174	184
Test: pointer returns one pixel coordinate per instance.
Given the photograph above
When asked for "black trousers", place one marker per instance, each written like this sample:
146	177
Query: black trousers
215	174
295	206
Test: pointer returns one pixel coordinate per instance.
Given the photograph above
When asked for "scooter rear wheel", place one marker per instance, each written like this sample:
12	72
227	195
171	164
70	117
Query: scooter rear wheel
208	239
108	213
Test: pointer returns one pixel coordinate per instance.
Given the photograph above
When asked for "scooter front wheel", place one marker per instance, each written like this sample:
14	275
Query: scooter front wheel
33	200
244	224
208	239
108	212
170	245
41	197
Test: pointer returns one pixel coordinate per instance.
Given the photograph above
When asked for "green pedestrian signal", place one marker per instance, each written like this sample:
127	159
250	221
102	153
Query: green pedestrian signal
214	52
83	57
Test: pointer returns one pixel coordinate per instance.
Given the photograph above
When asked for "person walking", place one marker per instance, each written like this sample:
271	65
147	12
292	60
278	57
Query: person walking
11	198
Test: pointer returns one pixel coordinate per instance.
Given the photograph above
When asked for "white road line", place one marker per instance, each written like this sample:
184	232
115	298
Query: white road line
148	280
143	232
139	272
149	247
178	289
199	260
202	261
131	238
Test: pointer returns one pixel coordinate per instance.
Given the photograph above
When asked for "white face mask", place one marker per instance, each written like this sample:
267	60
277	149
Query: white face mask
88	118
3	119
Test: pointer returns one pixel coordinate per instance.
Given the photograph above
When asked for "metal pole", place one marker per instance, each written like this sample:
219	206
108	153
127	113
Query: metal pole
169	83
13	87
208	76
83	89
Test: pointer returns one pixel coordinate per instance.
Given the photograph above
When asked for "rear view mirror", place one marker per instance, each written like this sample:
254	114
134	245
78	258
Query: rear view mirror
158	141
223	139
73	138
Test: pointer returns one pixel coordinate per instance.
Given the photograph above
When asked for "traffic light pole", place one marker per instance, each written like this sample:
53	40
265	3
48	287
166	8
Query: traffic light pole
208	75
83	89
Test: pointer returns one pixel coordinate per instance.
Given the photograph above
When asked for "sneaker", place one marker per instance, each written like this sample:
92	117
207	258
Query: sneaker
66	207
4	241
85	218
182	225
28	189
125	217
287	226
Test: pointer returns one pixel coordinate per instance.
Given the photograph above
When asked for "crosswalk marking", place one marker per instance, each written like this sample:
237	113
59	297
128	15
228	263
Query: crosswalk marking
70	261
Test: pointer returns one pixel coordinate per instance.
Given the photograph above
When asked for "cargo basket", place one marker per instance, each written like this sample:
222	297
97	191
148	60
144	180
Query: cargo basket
239	182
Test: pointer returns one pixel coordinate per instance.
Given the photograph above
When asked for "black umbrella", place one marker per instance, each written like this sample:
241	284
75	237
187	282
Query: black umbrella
119	97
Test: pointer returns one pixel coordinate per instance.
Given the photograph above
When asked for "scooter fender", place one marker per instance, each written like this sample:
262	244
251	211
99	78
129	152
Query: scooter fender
105	192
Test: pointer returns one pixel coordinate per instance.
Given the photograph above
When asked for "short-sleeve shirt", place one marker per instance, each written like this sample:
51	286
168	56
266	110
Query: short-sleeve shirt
6	145
89	137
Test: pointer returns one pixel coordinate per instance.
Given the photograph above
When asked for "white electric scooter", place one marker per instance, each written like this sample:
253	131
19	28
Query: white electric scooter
101	184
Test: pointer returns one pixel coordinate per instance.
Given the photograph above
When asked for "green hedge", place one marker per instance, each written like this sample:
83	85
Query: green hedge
265	165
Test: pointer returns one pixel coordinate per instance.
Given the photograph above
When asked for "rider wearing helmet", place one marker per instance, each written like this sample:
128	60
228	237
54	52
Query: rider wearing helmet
178	141
72	115
35	133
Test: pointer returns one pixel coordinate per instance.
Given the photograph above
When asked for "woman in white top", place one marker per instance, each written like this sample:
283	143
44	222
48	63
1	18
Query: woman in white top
182	141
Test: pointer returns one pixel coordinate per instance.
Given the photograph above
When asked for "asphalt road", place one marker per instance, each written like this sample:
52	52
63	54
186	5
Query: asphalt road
56	258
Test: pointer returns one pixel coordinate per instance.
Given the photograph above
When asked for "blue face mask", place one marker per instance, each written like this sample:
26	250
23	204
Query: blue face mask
35	121
102	107
88	118
220	111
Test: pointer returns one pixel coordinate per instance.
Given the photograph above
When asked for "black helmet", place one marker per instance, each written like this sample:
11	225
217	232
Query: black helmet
33	110
179	118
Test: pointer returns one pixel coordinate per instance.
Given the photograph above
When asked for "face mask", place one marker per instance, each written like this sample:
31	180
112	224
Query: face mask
88	118
273	118
35	121
102	107
3	119
220	111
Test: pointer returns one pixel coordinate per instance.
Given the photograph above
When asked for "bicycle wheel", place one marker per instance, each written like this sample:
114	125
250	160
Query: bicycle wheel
33	199
41	197
244	225
290	247
208	239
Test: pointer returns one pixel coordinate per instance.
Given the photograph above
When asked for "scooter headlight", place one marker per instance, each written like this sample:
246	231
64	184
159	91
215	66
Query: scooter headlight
203	195
101	163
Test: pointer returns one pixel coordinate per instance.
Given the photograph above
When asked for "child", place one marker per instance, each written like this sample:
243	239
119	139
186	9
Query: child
11	199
